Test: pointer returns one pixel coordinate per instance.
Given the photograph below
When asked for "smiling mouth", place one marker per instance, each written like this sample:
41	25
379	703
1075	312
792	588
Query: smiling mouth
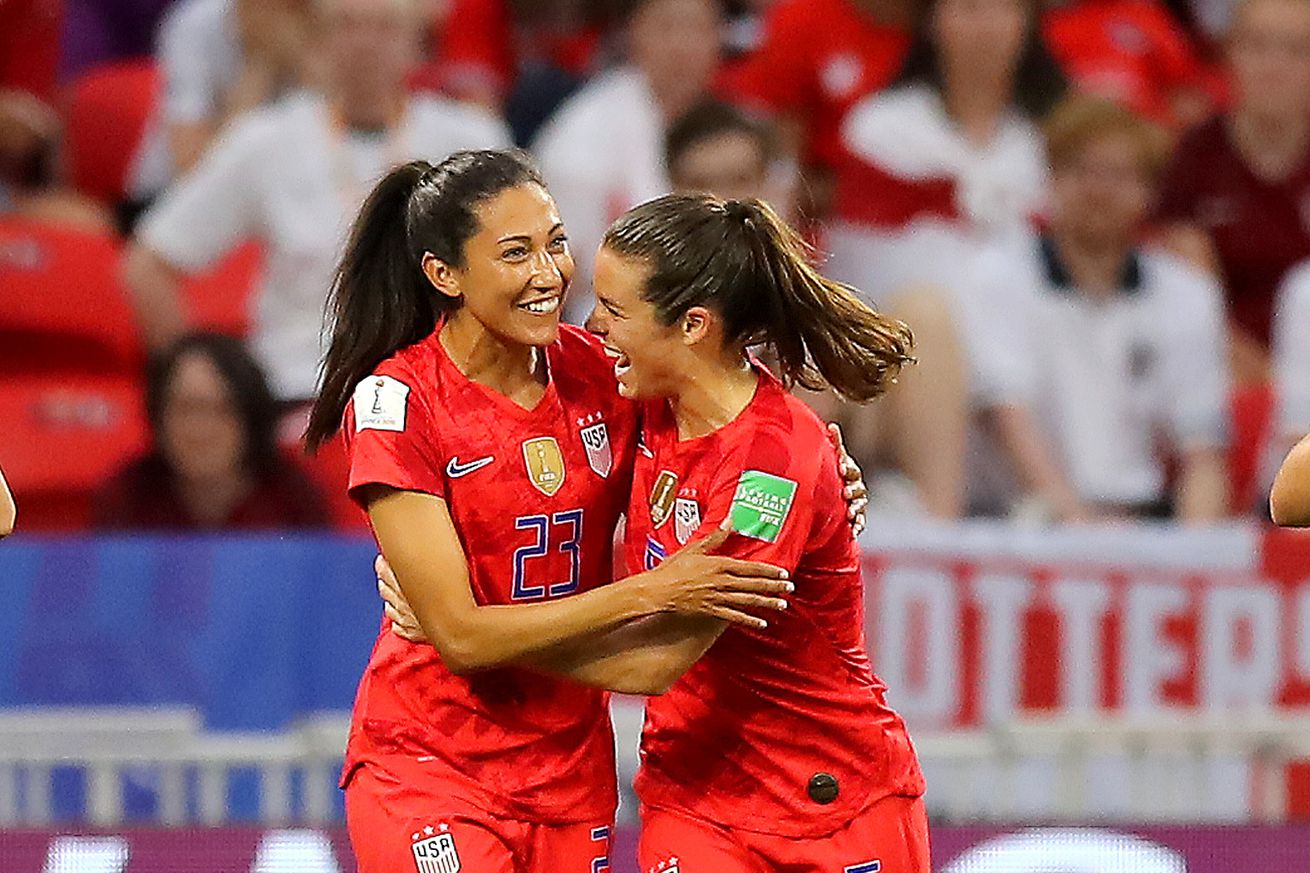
544	306
621	362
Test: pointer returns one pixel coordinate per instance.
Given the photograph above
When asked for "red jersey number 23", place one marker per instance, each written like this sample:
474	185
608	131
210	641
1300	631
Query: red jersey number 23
558	532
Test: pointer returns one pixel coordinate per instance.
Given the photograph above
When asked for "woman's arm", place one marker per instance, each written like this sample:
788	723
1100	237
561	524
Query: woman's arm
1289	501
645	656
1032	459
419	541
8	511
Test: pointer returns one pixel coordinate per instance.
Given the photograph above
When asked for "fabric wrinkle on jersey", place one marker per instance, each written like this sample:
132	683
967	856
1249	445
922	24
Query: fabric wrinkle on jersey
536	521
739	737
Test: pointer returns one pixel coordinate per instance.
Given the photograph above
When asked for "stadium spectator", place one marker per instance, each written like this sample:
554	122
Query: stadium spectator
97	32
8	509
603	151
716	148
1132	51
219	59
215	462
1097	351
818	58
291	176
29	184
1235	198
951	154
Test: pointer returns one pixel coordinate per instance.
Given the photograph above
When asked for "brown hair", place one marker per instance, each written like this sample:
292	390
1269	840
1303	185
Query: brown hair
380	300
739	258
1079	121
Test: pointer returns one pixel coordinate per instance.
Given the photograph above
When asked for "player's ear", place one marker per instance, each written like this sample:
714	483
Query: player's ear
442	276
697	323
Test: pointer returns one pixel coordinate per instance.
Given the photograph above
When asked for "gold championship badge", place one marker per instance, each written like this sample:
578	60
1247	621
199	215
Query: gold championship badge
661	497
545	464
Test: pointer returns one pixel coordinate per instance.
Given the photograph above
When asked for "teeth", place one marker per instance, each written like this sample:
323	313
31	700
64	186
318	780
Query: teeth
542	307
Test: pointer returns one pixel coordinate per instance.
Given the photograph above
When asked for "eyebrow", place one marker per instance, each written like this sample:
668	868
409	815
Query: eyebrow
525	237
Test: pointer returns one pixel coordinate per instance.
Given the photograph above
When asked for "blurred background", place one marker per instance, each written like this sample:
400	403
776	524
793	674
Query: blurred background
1095	214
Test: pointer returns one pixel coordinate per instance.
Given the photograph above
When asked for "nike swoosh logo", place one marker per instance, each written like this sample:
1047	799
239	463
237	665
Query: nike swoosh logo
455	469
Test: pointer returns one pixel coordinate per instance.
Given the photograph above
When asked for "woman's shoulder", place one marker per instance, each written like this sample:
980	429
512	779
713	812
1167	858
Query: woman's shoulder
411	364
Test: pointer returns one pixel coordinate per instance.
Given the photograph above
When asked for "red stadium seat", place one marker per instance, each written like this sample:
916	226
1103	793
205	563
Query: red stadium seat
62	308
108	109
63	437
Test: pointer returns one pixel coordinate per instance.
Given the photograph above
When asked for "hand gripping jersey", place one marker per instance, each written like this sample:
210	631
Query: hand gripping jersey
534	496
785	730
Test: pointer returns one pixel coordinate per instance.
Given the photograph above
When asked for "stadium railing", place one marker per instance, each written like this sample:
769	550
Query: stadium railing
1163	768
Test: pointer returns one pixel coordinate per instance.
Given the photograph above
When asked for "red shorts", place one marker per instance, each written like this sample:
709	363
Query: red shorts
889	837
398	827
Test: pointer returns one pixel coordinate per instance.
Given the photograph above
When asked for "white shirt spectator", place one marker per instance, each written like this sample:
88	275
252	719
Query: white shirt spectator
601	153
199	55
1106	379
934	196
289	176
1291	342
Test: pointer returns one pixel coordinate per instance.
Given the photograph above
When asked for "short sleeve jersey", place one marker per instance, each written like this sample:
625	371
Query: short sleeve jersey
744	737
534	496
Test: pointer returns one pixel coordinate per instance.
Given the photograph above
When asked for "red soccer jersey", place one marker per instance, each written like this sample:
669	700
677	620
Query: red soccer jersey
1260	228
818	58
534	496
753	734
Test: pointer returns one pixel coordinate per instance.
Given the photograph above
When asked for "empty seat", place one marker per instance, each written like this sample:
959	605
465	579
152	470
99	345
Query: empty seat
108	109
61	305
63	437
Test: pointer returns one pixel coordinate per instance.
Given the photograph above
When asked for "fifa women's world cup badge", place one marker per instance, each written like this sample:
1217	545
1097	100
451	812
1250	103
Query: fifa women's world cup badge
545	464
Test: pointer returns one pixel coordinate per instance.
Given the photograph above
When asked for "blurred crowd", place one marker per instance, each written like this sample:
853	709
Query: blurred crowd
1095	215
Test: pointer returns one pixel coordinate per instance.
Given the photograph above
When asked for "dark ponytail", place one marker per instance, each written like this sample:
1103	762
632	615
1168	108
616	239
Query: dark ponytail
742	260
380	300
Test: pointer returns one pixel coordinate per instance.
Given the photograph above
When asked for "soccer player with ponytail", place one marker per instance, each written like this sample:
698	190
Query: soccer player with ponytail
493	455
770	750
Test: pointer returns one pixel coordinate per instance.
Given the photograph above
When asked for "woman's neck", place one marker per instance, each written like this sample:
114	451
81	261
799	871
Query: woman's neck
975	104
713	397
354	113
1273	146
515	370
1096	267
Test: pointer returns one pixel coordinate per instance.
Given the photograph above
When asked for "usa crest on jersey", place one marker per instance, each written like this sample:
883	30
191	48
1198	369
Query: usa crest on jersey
596	440
435	853
686	518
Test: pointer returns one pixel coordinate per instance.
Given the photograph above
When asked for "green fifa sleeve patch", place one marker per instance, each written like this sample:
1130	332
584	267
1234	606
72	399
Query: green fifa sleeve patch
761	505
